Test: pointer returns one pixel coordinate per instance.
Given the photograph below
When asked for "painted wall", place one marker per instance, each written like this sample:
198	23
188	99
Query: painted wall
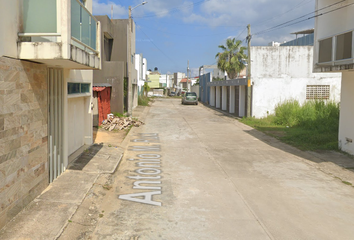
282	73
346	119
113	71
9	27
204	90
77	111
195	89
154	80
23	135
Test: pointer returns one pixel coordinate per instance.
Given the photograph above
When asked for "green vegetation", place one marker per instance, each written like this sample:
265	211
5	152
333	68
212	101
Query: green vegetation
231	60
117	114
312	126
143	101
146	88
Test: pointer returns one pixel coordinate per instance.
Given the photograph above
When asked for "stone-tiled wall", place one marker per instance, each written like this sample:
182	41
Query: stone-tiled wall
23	135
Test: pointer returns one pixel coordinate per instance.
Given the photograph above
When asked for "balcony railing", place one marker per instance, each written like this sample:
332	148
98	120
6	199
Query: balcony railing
83	25
42	23
336	50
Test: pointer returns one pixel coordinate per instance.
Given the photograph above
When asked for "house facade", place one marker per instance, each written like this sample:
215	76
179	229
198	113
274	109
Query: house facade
333	53
48	49
141	68
114	69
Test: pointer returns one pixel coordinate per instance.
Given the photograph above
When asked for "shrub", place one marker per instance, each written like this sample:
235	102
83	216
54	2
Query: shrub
143	100
286	113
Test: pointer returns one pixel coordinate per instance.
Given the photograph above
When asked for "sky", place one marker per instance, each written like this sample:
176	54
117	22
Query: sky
169	33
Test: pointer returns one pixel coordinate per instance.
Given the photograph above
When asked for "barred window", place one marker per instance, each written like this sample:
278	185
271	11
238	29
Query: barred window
317	92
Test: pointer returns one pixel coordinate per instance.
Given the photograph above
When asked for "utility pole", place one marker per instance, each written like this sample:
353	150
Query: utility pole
129	60
188	76
249	93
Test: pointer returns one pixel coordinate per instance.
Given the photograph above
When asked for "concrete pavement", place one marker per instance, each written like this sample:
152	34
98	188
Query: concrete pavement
50	213
206	176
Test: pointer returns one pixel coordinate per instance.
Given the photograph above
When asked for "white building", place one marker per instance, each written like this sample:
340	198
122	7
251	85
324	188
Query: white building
177	77
141	68
48	49
278	74
333	52
165	80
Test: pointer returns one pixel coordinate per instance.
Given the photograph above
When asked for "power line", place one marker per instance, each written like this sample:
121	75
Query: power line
277	16
287	23
318	15
158	47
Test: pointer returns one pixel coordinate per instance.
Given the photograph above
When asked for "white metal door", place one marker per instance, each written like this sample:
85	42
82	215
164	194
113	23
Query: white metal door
55	122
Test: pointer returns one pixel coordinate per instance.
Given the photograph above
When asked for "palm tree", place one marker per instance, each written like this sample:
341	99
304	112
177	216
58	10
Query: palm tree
232	59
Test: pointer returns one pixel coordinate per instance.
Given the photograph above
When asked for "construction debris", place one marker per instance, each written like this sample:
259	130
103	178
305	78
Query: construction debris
120	123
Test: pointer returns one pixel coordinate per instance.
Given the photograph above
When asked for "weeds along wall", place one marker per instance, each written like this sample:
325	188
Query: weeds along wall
283	73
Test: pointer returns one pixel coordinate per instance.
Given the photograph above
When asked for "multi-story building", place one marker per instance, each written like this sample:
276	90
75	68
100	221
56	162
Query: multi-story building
48	49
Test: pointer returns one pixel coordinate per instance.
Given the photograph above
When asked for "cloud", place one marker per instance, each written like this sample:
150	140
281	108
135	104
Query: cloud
261	14
101	8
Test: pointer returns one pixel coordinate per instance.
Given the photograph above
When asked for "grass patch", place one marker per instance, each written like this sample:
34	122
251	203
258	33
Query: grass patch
120	115
347	183
143	100
311	126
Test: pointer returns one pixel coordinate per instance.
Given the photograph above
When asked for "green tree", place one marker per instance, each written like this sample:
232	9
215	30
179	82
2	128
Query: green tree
231	60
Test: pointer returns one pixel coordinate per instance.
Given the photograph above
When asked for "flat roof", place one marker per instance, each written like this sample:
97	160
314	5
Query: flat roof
308	31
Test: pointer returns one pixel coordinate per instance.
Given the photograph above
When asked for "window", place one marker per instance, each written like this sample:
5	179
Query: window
108	45
344	46
78	88
325	50
317	92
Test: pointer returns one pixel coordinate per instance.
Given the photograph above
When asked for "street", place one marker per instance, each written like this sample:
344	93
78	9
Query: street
192	173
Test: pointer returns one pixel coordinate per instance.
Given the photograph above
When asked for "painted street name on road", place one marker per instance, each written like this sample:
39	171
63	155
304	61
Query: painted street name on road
148	173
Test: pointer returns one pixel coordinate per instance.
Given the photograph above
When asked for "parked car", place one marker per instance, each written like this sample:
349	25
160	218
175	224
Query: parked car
172	94
190	98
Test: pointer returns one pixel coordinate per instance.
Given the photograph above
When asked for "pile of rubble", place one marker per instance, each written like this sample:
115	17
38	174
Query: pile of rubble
120	123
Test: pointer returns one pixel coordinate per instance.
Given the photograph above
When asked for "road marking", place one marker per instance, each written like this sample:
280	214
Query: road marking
149	164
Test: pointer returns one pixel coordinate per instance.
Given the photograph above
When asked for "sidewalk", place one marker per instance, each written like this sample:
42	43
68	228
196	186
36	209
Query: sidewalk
47	215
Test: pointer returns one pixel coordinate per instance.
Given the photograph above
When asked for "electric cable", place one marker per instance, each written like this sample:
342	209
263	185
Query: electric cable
158	47
290	24
282	24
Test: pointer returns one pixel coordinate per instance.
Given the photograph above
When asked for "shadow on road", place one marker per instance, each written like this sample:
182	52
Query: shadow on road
335	157
85	157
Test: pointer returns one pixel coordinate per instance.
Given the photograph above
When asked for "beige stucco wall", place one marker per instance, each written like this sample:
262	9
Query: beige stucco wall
23	135
9	26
